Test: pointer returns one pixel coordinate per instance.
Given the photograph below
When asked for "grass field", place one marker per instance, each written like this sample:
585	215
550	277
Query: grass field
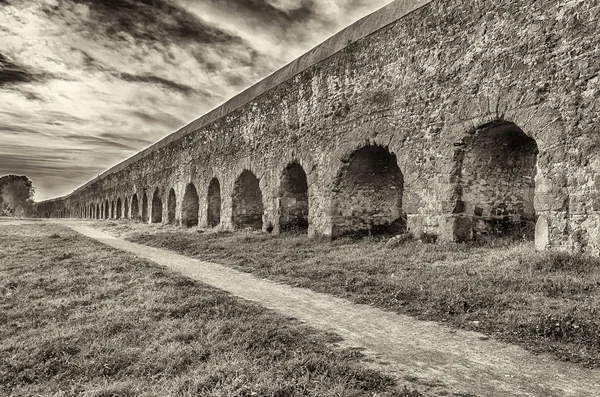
80	319
546	302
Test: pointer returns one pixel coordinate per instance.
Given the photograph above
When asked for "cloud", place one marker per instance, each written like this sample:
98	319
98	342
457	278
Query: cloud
280	14
183	88
156	20
11	73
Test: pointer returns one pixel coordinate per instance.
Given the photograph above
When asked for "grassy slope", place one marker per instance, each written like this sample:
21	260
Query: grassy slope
544	302
78	318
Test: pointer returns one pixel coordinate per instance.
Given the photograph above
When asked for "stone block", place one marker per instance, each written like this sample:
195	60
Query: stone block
551	202
542	233
456	229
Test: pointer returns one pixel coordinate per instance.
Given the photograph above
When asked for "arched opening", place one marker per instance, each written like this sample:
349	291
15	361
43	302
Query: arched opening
190	206
213	214
144	208
97	211
156	207
125	208
247	205
498	180
106	209
368	194
135	208
119	208
293	199
172	203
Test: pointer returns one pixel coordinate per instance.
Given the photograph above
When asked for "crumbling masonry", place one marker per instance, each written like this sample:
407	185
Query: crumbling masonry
456	119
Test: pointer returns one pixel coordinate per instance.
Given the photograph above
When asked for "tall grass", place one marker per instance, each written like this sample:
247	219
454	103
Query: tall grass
80	319
546	302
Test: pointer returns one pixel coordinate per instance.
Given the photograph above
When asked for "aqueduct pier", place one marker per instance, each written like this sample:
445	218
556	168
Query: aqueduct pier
452	119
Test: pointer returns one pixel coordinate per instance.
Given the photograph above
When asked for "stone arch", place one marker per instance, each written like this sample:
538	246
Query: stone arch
135	207
190	206
106	209
497	180
144	207
247	204
119	208
171	206
157	207
293	199
213	214
367	194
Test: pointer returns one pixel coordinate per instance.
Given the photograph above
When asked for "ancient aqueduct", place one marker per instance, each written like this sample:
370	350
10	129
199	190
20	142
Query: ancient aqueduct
455	119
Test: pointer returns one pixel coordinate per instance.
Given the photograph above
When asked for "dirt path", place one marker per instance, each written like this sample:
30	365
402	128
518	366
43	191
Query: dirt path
434	354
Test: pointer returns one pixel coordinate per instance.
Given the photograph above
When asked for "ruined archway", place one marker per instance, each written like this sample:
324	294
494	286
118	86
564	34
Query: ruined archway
247	205
135	207
172	204
190	206
213	214
119	208
368	194
106	210
144	208
498	180
293	199
156	207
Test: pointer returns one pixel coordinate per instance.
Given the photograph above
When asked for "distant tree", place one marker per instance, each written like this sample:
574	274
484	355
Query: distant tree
16	195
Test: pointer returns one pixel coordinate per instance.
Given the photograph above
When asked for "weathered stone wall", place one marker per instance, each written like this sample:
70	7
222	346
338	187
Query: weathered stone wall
368	194
419	87
498	180
293	199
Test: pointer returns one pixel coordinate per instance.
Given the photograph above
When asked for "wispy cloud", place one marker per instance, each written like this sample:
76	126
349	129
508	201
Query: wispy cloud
150	79
85	84
11	73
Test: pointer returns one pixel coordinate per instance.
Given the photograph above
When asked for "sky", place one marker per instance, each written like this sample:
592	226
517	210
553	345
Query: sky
85	84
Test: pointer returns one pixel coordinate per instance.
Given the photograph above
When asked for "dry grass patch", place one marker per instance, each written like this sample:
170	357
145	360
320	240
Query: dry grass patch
546	302
78	318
